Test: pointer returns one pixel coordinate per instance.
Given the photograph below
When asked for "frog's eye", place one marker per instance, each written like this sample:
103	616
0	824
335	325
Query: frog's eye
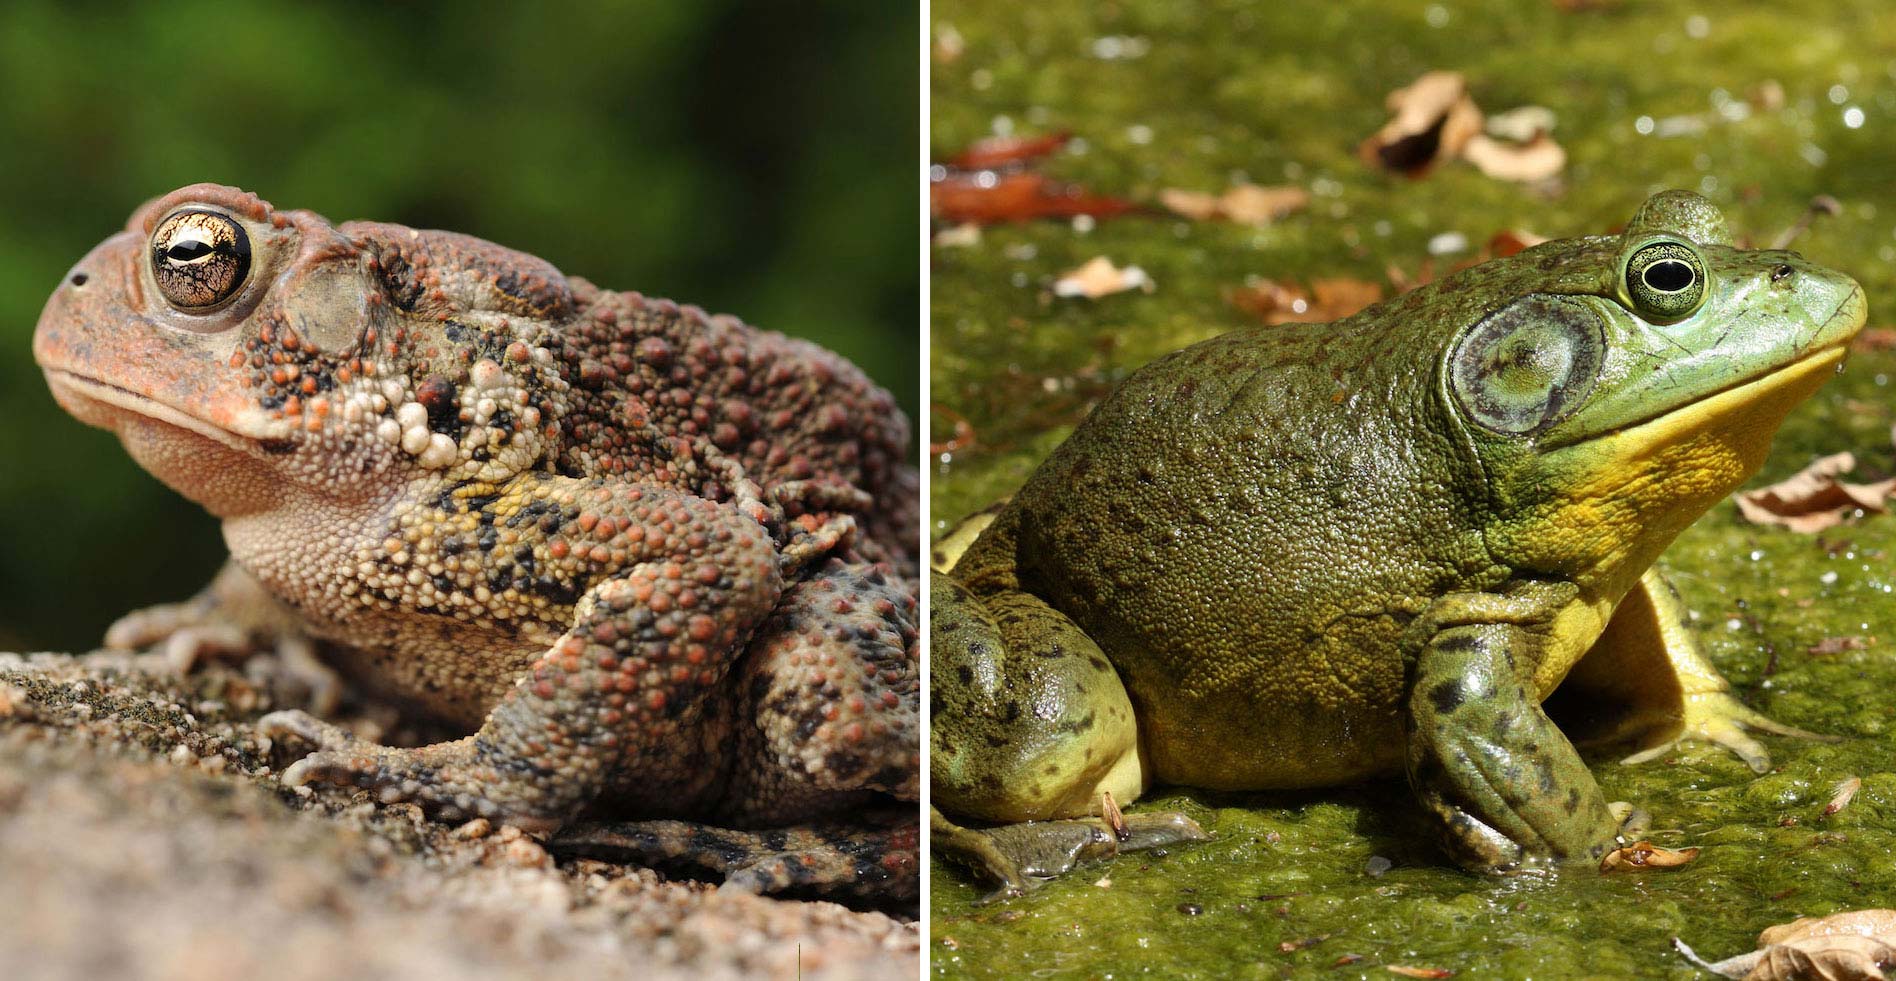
200	259
1529	364
1666	281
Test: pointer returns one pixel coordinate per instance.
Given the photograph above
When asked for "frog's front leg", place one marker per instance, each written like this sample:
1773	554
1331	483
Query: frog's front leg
1506	786
647	643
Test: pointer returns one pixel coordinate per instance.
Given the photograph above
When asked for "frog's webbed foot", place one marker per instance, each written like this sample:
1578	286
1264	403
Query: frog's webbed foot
860	861
232	619
1019	857
1719	718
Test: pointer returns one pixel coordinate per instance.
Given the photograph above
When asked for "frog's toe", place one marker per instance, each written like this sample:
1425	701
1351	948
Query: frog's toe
1718	718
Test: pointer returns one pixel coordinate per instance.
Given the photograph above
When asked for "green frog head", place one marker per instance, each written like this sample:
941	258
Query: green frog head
1638	384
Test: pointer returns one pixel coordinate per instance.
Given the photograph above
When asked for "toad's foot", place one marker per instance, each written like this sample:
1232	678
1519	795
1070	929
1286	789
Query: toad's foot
447	779
1719	718
1019	857
837	860
232	619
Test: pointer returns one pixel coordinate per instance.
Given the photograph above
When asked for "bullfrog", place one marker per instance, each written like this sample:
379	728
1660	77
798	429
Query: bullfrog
1303	556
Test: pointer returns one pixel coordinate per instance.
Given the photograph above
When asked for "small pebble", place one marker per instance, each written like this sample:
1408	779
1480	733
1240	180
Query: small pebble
1377	865
1190	909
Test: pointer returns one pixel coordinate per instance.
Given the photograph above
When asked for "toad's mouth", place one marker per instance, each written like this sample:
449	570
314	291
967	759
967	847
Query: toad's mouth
108	406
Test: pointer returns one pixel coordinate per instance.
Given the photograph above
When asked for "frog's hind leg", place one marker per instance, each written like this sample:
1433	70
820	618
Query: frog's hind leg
1646	681
1030	723
873	859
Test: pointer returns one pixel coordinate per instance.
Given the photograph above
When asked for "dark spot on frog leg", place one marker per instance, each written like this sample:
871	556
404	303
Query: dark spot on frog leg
1573	800
1447	696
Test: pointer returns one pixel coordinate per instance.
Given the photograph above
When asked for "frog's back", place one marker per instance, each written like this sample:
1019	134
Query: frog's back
1245	526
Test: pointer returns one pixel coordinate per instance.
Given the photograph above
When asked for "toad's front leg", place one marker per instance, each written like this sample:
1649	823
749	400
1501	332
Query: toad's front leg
647	643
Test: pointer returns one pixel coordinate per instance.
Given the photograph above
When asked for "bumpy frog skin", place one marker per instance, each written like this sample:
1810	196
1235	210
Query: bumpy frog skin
651	559
1300	556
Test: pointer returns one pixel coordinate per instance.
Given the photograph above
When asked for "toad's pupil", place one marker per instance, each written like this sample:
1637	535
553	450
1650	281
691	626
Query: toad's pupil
1669	276
187	251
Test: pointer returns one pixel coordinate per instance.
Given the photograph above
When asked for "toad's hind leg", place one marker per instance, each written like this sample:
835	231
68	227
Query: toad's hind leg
614	696
1030	723
1646	680
872	858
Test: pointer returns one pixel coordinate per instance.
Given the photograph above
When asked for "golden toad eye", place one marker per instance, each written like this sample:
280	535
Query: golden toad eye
200	259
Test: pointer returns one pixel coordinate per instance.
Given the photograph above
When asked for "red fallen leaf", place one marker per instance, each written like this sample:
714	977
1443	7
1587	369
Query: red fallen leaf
999	151
1512	241
1814	498
1434	117
1876	339
963	437
988	198
1646	855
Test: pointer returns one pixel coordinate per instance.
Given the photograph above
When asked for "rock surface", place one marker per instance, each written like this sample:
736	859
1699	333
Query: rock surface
143	834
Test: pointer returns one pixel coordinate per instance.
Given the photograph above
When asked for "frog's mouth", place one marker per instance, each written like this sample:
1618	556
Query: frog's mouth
1748	401
108	406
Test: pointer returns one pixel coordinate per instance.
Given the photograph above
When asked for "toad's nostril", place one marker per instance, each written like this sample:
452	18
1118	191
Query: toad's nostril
79	279
1781	273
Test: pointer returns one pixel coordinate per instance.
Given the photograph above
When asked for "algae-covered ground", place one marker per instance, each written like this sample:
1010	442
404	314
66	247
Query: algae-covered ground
1201	95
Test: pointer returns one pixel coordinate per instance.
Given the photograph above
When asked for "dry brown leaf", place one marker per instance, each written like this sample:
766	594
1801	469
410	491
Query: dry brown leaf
1196	205
1813	498
1099	277
1418	972
1837	645
1646	855
1287	303
1846	792
1520	124
1434	117
1851	946
1249	204
1535	160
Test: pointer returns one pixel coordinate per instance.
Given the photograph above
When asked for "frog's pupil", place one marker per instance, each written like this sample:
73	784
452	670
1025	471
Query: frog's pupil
188	250
1668	275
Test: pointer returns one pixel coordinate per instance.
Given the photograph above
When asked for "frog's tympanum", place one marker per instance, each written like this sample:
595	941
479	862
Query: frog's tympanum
1299	556
652	560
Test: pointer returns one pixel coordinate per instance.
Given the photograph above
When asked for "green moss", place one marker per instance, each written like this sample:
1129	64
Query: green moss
1282	93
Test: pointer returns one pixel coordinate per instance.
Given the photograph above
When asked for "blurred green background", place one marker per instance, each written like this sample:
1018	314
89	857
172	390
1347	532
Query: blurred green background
752	157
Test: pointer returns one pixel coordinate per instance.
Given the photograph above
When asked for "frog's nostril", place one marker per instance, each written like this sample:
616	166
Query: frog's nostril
79	279
1782	273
